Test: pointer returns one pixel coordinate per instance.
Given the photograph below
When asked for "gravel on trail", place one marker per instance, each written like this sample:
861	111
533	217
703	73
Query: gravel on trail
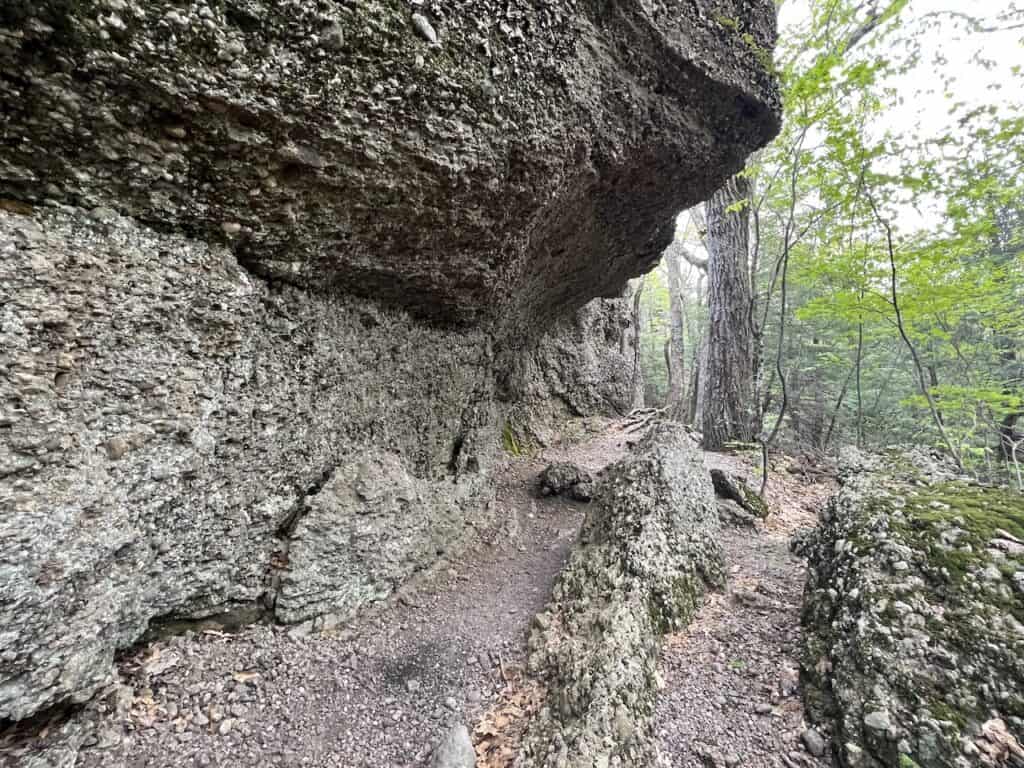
731	695
381	691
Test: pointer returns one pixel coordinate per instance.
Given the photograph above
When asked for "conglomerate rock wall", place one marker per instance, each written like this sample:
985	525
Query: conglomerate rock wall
479	159
914	618
274	272
164	417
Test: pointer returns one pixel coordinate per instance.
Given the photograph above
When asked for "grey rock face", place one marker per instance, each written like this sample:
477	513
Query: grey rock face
163	416
218	392
367	530
455	751
461	163
913	634
584	365
646	554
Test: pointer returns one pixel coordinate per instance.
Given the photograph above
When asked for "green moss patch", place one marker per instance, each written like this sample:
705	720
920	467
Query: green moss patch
983	510
509	440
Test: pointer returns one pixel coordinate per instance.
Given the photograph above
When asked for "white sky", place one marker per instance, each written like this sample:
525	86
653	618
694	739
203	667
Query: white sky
947	65
948	54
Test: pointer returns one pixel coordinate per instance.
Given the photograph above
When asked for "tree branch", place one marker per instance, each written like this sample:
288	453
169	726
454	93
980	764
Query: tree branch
925	390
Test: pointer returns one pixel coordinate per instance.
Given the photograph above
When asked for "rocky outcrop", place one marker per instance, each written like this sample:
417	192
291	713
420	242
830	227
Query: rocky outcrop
646	554
165	414
914	619
275	275
508	163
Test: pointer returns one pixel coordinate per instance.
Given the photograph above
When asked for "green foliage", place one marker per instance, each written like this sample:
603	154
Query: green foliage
509	441
954	198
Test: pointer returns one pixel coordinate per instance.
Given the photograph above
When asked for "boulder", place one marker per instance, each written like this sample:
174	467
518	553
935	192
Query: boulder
370	527
563	478
584	365
734	488
646	554
913	633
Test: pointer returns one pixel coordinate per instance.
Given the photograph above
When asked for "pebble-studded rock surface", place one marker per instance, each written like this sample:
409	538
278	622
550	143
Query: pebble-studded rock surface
384	690
731	695
380	692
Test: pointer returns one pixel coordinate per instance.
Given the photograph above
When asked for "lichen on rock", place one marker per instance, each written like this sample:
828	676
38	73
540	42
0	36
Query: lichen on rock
646	554
914	618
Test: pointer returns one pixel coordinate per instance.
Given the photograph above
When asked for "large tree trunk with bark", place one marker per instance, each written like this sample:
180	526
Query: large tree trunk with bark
727	379
675	352
635	291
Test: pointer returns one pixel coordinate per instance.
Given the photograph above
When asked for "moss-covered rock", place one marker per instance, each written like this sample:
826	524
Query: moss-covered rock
647	552
735	488
914	618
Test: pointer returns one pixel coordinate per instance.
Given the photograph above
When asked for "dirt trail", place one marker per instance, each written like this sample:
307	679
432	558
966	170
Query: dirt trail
731	696
451	648
379	692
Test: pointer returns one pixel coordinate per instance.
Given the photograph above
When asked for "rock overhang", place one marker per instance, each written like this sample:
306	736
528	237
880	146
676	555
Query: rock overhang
529	159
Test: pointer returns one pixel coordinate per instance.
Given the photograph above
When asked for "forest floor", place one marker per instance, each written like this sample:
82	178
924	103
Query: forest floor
450	649
731	694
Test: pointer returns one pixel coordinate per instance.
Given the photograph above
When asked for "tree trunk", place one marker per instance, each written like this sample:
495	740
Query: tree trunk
860	393
695	406
637	287
675	350
933	381
727	380
1008	437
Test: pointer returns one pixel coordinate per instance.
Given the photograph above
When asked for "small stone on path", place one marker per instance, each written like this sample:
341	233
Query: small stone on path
455	751
814	742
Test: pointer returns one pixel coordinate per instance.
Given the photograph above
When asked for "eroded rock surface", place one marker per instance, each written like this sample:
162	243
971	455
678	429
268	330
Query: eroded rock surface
914	619
527	160
164	415
582	366
369	529
249	249
646	554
